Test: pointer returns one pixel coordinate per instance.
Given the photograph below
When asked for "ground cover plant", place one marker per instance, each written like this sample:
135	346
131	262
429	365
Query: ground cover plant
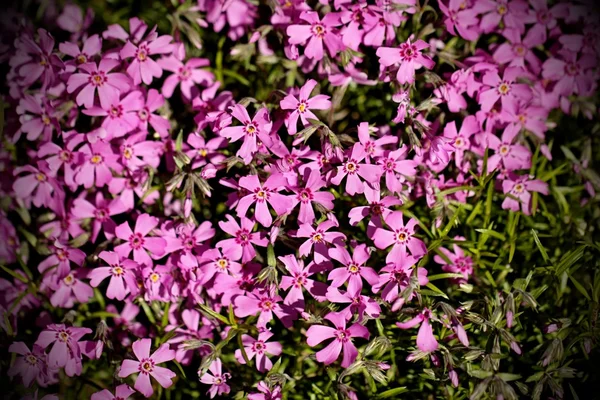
299	200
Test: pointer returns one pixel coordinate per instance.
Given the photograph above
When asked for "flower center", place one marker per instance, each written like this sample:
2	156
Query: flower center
63	336
185	73
116	111
45	119
342	335
203	152
305	195
31	359
101	214
98	79
222	264
69	280
81	59
65	156
266	305
262	195
520	50
96	159
408	51
243	237
353	269
571	69
502	9
146	366
351	167
154	277
519	188
250	129
317	237
318	30
41	177
127	152
402	236
302	107
136	241
117	271
504	88
259	347
504	149
143	114
61	254
142	54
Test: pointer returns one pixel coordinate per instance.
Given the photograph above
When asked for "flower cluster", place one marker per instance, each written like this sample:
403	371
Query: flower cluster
243	216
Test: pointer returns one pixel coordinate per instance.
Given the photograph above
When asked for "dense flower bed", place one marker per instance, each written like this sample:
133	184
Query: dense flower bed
290	200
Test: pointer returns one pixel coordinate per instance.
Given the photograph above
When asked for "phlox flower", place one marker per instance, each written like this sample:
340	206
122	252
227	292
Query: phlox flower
396	167
100	214
122	392
204	151
195	327
253	129
318	238
121	115
243	241
36	184
514	14
147	366
342	339
31	365
216	378
146	114
376	208
143	68
460	263
266	393
309	194
259	348
352	169
357	304
121	273
508	155
37	117
185	75
136	152
99	160
373	148
65	156
517	51
91	47
316	31
503	88
138	240
65	352
354	270
520	187
409	58
190	240
460	19
299	280
213	262
97	78
61	256
461	139
37	60
265	303
302	105
570	72
261	194
71	288
426	342
401	237
395	277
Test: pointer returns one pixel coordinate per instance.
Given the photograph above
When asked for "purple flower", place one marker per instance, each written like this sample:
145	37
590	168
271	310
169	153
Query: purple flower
425	340
147	366
342	339
260	195
401	237
32	365
121	272
317	32
309	194
97	78
99	160
258	127
99	213
65	352
519	188
318	238
121	393
143	68
299	280
185	75
216	378
354	270
503	88
139	242
409	56
302	106
353	169
259	348
241	245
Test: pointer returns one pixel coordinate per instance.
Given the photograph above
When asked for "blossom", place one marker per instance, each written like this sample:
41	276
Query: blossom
357	304
38	117
508	155
265	303
316	32
376	208
353	169
96	78
91	47
260	195
99	162
309	194
243	239
70	288
302	106
121	115
216	378
460	139
185	75
138	240
147	366
259	348
61	256
31	365
408	56
122	392
65	351
425	340
503	88
458	262
37	60
401	237
299	280
266	393
354	270
394	164
143	68
318	238
121	272
342	339
394	278
519	189
100	213
37	185
258	127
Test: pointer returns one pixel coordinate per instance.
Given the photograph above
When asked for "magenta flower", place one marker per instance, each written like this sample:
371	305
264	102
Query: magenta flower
425	340
354	270
401	237
241	245
143	68
32	365
147	366
459	263
99	160
266	393
260	195
461	140
38	61
216	378
38	185
357	304
317	32
342	339
516	52
519	187
97	78
138	241
204	151
302	106
259	348
66	156
508	156
265	303
213	261
396	167
37	117
121	272
408	56
570	73
460	20
185	75
61	257
121	393
65	352
258	127
353	169
503	88
91	47
318	238
146	115
121	115
299	280
373	148
99	213
310	194
71	288
377	207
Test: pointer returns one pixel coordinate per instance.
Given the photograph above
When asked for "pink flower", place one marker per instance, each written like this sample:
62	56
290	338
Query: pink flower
425	340
318	238
396	167
311	194
91	47
97	78
37	60
241	245
146	115
99	213
377	207
185	75
204	151
216	378
266	393
143	68
121	115
258	127
508	156
342	339
121	393
213	262
259	348
353	169
354	270
99	160
303	105
32	365
147	366
265	303
516	52
357	304
38	185
519	187
503	88
408	56
66	156
260	195
316	32
61	257
460	19
401	237
121	272
459	262
373	148
138	241
37	117
70	288
65	352
395	277
299	280
461	139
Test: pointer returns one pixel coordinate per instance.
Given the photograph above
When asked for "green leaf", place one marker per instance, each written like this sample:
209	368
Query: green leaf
540	246
447	275
506	377
392	392
436	290
14	274
492	233
580	287
211	313
569	259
